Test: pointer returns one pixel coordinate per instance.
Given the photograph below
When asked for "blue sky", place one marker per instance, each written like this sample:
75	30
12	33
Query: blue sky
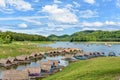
59	17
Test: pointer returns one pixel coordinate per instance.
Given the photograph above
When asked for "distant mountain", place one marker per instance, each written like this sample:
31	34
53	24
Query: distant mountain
88	35
58	38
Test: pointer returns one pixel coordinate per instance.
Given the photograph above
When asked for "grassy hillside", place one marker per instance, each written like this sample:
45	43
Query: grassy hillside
106	68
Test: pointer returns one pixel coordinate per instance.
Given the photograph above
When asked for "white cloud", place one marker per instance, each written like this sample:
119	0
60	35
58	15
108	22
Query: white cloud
61	15
90	1
33	21
2	3
99	24
88	14
89	28
22	25
118	3
20	5
8	6
76	4
57	1
110	23
23	17
91	24
69	6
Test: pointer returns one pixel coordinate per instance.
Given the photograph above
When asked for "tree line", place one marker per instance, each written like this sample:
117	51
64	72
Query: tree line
8	37
88	35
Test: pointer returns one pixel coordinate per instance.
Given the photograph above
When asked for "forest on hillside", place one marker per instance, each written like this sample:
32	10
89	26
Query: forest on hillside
8	37
88	35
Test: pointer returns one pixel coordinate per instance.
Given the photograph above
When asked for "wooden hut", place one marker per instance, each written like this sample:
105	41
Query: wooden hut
111	54
15	75
5	63
12	59
80	57
88	54
32	56
46	66
102	53
34	72
55	62
40	55
22	59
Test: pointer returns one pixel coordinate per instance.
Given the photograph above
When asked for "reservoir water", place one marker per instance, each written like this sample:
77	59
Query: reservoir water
88	47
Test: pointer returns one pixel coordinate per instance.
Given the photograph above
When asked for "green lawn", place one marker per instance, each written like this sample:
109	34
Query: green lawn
22	48
105	68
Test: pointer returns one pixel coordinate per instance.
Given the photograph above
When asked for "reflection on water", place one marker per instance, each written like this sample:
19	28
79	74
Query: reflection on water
88	47
34	64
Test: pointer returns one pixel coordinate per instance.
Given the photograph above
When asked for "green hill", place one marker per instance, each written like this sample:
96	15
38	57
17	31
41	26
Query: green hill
88	35
105	68
58	38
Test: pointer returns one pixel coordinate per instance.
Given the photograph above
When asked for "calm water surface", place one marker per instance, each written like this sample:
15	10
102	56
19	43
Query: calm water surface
88	47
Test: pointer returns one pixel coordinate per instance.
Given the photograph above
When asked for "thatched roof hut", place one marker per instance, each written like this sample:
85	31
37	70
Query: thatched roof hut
42	53
34	71
33	55
46	66
11	59
5	62
55	62
21	58
46	62
111	54
15	75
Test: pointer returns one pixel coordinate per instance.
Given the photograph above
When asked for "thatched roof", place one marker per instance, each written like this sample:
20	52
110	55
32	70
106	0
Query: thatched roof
42	53
55	62
46	62
80	54
46	65
4	61
33	70
86	53
11	59
68	56
23	57
33	54
15	75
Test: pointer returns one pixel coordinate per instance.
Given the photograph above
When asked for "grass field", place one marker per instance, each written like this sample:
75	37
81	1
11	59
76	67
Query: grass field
22	48
105	68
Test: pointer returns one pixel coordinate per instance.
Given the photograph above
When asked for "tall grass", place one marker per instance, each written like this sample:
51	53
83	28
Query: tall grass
22	48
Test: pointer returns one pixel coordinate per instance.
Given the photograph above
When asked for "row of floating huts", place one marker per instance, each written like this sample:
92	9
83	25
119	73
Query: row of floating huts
26	59
43	69
88	55
23	59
